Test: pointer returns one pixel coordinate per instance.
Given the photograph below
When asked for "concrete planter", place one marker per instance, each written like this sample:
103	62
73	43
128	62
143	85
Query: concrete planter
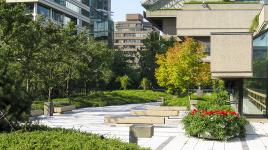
48	108
35	113
208	136
193	104
64	109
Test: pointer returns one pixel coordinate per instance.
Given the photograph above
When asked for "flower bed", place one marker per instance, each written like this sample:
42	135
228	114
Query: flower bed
214	124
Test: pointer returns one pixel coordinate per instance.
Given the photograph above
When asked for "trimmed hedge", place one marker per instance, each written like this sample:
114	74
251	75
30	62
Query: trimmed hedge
60	139
120	97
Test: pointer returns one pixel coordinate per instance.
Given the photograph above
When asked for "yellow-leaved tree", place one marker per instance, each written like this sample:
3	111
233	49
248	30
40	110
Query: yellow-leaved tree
182	67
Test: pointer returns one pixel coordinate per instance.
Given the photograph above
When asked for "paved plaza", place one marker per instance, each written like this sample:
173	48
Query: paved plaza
166	137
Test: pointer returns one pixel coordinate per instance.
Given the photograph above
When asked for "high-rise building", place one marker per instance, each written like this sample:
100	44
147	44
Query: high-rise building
92	14
128	36
236	39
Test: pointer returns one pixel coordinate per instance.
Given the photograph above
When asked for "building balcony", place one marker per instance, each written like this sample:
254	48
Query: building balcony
263	18
162	4
199	20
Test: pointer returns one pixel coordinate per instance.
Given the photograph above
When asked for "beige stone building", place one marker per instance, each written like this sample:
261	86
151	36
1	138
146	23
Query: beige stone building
235	54
128	36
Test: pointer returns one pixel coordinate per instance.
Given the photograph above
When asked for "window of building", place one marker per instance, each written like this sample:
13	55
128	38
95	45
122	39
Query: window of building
72	7
255	89
86	2
58	17
61	2
85	13
44	11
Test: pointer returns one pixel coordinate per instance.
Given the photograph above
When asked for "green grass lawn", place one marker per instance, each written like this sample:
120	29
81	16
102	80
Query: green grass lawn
120	97
59	139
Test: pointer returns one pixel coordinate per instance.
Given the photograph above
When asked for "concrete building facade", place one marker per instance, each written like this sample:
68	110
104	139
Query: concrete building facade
128	36
235	54
94	15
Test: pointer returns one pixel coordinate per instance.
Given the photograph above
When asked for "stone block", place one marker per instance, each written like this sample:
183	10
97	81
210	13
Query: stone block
64	109
35	113
160	113
134	120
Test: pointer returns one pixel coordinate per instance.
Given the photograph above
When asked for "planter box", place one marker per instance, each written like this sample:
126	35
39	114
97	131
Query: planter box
193	104
35	113
209	136
64	109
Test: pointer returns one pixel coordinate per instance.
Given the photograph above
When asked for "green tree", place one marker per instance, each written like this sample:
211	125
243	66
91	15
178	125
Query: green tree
182	67
15	103
154	44
145	84
16	55
124	81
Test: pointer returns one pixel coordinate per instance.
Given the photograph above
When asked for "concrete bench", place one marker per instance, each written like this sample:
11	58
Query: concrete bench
160	113
140	131
64	109
35	113
168	108
134	120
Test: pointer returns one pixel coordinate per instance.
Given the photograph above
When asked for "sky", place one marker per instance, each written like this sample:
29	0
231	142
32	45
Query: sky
123	7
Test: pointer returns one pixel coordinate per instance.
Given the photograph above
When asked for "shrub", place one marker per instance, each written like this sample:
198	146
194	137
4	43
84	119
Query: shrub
145	84
255	23
15	104
57	139
215	124
124	81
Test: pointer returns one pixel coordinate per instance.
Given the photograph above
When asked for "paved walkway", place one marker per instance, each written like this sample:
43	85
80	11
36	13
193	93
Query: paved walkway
166	137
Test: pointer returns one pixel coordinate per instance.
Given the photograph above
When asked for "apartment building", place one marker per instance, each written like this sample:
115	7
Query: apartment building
91	14
128	36
236	54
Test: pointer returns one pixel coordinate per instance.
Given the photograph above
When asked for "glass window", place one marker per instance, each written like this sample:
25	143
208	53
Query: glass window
29	7
44	11
61	2
72	7
85	13
85	24
255	89
58	17
86	2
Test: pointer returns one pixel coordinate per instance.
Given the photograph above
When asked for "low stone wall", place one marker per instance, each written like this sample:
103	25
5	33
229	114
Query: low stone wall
64	109
169	108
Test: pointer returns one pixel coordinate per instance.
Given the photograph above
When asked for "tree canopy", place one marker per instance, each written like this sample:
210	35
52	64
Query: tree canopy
181	67
154	44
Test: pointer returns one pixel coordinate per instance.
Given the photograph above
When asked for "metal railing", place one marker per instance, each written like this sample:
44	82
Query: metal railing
148	2
257	98
162	4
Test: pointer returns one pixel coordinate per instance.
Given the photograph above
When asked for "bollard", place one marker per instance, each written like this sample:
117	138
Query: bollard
140	131
48	108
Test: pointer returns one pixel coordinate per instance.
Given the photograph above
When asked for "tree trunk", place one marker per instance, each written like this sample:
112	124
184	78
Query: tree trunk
67	87
49	94
85	85
27	85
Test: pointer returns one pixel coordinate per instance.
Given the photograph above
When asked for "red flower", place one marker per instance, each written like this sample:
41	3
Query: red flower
194	111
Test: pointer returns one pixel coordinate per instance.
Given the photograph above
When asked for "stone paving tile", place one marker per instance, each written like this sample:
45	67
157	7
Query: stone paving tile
166	137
